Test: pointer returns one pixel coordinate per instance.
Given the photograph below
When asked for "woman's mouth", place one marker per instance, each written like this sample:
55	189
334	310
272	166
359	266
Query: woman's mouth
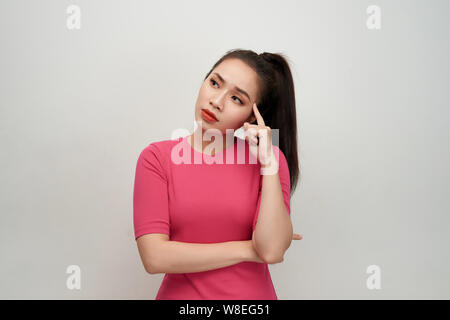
208	116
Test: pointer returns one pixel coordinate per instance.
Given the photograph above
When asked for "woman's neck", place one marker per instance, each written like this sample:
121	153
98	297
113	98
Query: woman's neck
206	143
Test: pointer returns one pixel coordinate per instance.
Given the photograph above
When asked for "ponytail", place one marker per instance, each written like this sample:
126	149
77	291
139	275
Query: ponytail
281	111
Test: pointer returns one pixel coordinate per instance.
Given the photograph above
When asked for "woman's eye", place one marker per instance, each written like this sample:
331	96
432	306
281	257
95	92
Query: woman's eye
240	101
212	81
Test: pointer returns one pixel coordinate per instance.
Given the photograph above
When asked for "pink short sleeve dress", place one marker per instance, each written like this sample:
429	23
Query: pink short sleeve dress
206	202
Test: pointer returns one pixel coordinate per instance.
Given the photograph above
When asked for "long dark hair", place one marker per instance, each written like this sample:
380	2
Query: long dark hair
276	101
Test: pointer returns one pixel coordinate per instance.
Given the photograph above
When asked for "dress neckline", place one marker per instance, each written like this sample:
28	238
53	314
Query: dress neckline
185	139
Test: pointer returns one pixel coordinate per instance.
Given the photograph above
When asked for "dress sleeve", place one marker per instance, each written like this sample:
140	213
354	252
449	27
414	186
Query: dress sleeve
150	197
283	172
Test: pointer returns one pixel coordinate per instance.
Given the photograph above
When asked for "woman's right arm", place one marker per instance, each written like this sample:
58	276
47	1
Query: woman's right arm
160	255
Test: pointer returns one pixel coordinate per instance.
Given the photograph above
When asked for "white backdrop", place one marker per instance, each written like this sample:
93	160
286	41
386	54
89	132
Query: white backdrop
79	105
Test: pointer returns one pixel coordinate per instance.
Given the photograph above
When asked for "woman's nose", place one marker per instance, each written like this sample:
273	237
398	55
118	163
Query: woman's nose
217	101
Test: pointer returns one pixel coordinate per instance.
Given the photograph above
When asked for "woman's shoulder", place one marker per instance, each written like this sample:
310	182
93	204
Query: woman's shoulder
159	149
163	145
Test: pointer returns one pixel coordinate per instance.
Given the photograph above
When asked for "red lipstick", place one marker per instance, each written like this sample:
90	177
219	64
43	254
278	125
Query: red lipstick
208	116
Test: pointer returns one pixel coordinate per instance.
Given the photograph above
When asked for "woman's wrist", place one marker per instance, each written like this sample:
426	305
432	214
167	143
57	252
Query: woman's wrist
270	166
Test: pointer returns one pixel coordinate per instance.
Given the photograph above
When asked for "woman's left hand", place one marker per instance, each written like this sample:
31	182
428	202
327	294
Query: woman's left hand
259	137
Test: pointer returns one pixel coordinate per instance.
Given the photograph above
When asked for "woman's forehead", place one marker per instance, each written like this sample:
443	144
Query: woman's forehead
236	73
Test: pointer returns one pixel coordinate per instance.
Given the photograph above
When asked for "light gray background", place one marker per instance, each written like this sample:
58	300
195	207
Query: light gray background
78	106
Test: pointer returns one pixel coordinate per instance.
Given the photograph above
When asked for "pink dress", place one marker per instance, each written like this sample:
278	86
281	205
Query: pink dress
204	203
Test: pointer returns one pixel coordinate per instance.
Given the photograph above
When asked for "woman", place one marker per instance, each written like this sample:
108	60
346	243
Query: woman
197	222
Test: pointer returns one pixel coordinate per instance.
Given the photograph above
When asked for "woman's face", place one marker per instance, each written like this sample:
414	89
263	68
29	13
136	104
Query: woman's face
229	93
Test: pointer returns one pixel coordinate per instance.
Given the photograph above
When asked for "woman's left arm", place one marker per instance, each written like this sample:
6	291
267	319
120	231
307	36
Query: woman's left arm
273	232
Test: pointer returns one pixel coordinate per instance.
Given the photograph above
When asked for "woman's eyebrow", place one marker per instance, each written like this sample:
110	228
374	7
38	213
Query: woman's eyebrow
235	87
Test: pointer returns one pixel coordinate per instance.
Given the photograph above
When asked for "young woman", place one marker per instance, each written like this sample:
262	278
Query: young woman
213	227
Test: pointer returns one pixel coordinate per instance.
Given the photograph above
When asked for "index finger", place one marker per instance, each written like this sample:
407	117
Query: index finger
259	118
